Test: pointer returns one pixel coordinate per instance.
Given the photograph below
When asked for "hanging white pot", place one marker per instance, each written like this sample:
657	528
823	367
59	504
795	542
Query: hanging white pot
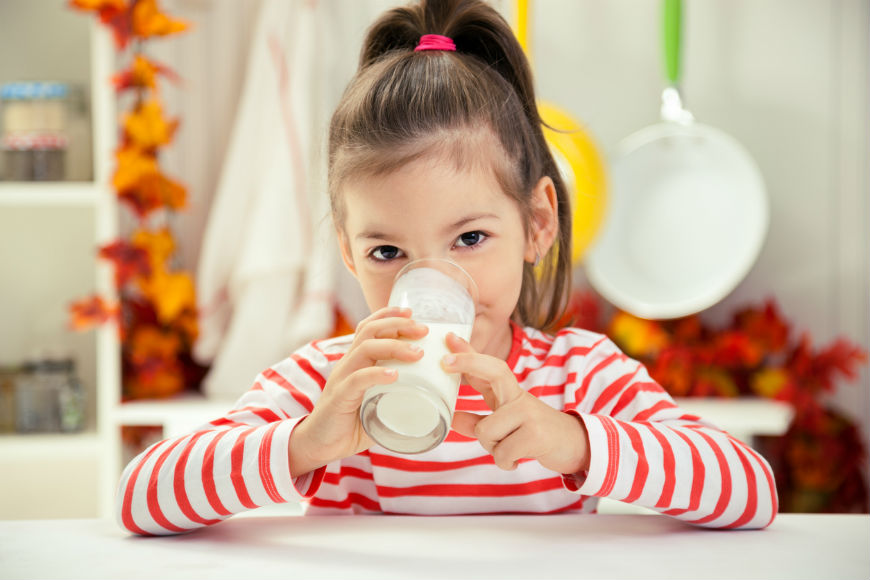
688	210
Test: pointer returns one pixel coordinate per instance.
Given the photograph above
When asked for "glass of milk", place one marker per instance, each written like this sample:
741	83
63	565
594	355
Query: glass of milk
414	413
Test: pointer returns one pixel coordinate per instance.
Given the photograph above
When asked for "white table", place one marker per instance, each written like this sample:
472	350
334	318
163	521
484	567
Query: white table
562	546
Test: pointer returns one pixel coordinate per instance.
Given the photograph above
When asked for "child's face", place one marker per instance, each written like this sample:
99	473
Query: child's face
429	210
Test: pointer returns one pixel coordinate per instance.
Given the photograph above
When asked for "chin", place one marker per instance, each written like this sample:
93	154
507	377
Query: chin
484	333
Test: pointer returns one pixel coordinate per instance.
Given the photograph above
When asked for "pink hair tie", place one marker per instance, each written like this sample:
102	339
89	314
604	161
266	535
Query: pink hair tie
435	42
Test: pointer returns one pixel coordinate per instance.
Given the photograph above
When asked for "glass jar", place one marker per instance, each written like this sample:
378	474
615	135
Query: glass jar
7	398
34	157
34	122
32	405
49	397
34	107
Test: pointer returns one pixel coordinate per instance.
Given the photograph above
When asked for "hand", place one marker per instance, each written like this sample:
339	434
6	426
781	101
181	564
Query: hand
520	425
333	429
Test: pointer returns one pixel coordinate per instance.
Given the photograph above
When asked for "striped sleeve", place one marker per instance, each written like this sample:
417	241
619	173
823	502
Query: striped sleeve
645	450
237	462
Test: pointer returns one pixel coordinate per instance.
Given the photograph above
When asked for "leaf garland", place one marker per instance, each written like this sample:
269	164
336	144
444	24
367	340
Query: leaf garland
818	462
156	310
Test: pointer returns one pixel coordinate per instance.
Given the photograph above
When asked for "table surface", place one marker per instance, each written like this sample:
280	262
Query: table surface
795	546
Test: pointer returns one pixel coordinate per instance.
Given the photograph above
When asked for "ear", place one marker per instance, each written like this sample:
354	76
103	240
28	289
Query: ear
544	222
346	255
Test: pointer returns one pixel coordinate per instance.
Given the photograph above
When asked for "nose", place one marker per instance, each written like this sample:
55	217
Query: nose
430	254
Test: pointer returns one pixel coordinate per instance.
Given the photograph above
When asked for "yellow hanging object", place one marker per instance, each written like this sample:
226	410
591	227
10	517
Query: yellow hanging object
582	169
522	20
578	158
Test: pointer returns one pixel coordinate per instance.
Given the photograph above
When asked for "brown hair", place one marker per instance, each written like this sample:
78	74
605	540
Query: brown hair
403	105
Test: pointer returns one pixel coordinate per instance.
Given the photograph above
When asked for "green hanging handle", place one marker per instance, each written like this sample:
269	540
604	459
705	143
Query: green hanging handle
672	22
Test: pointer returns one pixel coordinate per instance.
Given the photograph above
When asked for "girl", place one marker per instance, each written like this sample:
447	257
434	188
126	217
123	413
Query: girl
436	150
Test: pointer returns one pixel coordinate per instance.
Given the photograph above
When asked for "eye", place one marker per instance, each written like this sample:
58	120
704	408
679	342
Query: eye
470	239
385	253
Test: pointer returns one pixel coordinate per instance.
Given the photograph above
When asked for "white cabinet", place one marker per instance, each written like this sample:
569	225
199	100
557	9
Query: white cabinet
49	235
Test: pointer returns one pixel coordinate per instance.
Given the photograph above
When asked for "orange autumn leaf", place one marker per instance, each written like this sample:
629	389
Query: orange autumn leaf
714	382
734	349
115	14
139	182
764	326
158	245
674	369
153	354
840	357
149	20
90	312
98	5
687	329
170	293
151	343
142	74
638	337
770	382
129	261
146	128
186	325
152	192
155	382
133	165
172	194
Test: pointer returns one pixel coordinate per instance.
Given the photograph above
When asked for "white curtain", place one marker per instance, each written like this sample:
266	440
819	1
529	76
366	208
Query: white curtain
265	276
261	78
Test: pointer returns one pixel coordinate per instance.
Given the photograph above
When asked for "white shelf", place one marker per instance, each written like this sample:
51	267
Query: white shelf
50	194
743	418
177	416
54	228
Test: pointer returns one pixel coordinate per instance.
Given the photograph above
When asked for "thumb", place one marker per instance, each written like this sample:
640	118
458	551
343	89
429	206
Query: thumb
464	423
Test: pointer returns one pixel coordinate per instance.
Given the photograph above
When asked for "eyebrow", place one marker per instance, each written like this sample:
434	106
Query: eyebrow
377	235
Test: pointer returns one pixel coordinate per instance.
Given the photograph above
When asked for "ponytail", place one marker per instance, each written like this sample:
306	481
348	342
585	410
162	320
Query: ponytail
476	29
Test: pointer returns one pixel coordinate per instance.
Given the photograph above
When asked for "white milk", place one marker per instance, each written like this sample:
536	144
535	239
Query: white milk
407	411
413	414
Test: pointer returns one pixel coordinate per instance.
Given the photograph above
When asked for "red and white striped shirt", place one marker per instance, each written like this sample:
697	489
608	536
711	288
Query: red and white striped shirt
644	450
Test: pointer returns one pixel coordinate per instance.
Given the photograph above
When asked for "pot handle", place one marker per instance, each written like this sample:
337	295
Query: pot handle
672	35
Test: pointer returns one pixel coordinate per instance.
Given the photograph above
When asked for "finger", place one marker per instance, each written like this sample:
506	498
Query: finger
492	433
375	350
391	327
508	452
383	313
386	312
494	428
369	352
457	344
350	397
464	423
496	382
